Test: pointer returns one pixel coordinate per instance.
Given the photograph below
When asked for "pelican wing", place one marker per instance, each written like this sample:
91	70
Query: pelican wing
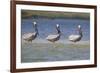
28	35
73	37
52	36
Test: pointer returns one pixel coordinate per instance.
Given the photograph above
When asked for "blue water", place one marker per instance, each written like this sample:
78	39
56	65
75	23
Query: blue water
47	26
42	52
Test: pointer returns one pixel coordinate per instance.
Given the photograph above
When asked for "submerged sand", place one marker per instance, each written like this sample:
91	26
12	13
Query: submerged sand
44	51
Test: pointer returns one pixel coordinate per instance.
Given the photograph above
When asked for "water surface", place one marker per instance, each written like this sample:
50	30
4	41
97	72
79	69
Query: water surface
41	50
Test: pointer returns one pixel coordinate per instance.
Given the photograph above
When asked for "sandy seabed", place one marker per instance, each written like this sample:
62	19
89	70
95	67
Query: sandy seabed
44	51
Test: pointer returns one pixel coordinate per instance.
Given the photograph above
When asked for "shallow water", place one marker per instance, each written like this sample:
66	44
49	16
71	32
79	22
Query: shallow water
48	26
44	52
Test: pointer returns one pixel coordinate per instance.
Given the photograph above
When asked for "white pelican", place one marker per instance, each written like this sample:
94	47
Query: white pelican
75	38
32	35
54	37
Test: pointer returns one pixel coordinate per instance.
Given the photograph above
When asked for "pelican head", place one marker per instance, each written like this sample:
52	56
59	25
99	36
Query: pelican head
58	28
34	23
57	25
79	29
35	26
79	26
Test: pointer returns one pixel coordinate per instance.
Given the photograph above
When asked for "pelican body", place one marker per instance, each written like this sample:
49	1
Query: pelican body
76	38
31	36
54	37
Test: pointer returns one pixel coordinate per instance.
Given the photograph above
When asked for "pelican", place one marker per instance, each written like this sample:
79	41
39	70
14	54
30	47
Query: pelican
76	38
32	35
54	37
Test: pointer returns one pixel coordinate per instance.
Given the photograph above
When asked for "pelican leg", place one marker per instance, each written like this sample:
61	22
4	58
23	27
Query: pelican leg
54	45
31	41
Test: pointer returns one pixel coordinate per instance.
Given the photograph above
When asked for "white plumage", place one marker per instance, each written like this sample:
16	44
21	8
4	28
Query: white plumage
57	25
28	35
75	38
54	37
31	36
